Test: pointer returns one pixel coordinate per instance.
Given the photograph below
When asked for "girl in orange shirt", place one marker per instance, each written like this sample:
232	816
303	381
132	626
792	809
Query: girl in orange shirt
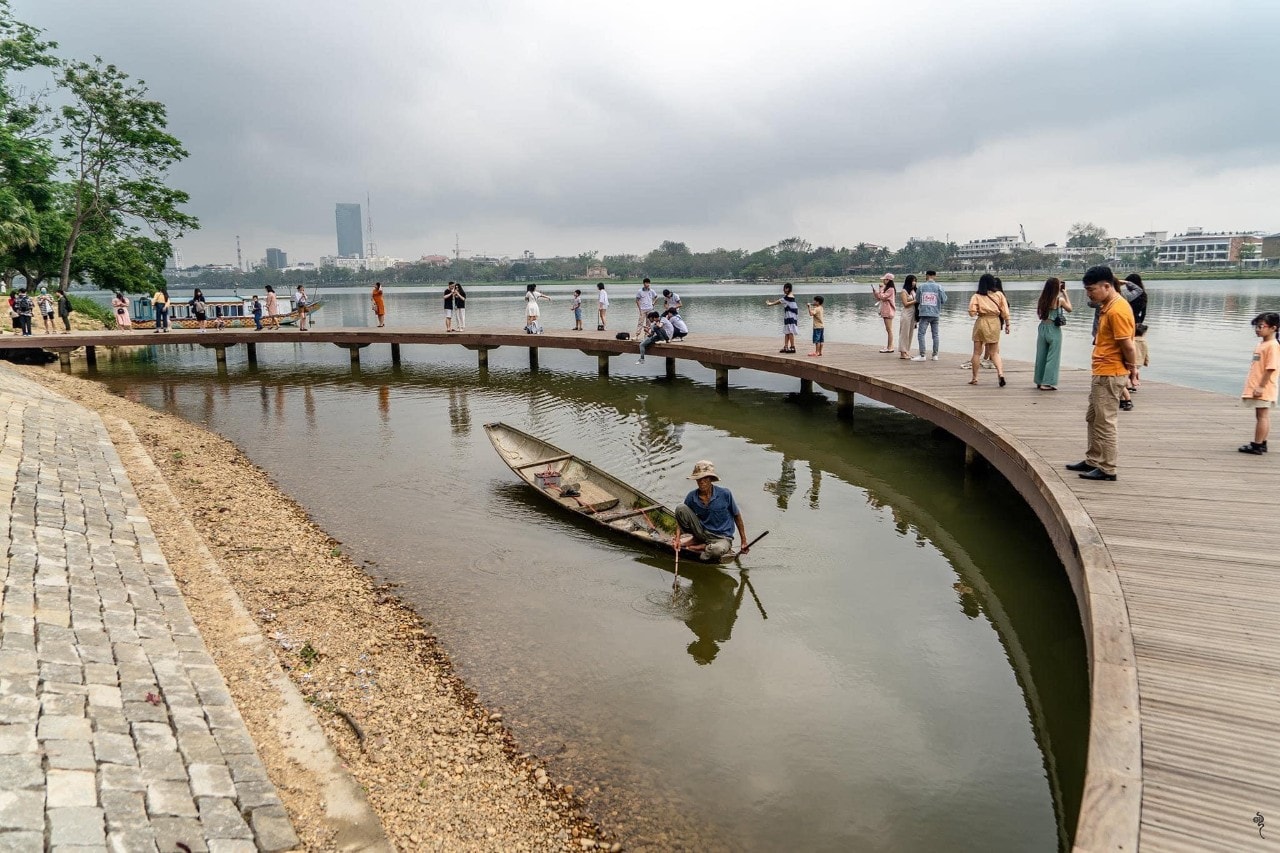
1260	388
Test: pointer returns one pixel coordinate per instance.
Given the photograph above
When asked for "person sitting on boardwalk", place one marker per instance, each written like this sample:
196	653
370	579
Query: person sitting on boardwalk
790	317
1115	362
930	297
657	329
710	513
679	329
1260	388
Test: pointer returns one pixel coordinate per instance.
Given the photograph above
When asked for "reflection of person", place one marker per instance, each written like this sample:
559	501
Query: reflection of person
379	304
785	486
714	599
1114	362
1260	388
710	513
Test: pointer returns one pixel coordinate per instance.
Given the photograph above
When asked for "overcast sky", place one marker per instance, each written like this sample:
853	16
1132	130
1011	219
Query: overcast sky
562	126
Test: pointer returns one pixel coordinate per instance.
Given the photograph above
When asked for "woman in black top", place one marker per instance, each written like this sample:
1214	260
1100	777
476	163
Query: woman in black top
459	307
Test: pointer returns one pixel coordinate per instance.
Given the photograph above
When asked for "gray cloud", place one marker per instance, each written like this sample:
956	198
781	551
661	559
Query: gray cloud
564	126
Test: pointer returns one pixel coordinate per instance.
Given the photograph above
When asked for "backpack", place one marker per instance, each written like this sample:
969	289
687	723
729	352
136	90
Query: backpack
22	304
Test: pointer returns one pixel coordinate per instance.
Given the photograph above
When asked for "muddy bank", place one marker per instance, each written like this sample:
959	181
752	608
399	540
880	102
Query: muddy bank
440	770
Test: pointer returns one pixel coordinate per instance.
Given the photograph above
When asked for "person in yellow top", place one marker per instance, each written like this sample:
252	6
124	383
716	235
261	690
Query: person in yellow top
1115	364
1260	390
990	311
819	330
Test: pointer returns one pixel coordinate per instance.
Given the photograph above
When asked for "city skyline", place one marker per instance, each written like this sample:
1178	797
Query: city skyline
715	125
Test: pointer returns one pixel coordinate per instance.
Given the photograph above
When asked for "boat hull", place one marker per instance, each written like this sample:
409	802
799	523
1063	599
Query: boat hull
601	498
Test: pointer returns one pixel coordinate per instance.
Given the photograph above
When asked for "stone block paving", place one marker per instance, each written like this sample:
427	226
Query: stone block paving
116	729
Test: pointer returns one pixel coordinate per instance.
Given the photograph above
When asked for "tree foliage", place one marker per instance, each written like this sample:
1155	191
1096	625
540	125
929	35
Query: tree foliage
1086	234
81	189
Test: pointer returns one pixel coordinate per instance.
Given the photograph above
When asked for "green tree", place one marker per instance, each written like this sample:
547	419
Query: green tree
26	166
1086	234
118	154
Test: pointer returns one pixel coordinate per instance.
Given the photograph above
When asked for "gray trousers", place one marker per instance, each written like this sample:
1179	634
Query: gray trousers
717	545
927	323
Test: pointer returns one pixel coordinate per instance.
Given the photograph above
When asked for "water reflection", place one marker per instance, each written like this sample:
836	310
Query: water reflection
785	486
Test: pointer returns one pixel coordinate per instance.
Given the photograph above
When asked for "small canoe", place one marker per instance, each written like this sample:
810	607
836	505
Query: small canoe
583	489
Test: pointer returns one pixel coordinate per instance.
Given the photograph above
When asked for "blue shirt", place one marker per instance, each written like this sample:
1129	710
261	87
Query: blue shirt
717	516
930	298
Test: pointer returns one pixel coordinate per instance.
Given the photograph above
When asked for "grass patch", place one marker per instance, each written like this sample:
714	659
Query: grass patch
90	308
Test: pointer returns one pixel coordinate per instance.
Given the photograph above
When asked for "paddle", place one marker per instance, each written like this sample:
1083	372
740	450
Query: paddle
747	547
675	544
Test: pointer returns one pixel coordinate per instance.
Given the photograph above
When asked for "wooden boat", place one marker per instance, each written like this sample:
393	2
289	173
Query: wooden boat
222	312
583	489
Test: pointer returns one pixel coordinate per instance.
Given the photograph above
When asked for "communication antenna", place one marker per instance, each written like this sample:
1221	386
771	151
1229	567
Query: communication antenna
239	262
457	248
1023	231
370	248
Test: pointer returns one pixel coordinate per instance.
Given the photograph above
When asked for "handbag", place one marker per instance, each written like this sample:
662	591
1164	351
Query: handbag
1060	319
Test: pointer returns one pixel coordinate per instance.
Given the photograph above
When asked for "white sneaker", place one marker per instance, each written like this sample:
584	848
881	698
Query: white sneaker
966	365
917	358
935	358
641	361
989	365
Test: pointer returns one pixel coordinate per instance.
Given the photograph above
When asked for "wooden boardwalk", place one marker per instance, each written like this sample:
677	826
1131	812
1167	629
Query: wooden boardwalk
1175	566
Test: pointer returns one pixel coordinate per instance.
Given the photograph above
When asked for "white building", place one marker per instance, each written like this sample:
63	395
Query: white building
987	247
1131	249
1198	249
375	264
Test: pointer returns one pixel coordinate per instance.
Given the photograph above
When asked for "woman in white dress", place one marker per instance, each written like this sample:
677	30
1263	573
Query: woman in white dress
531	310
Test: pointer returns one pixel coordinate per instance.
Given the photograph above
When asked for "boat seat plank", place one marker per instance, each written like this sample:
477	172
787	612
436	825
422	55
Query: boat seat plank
549	461
590	498
618	516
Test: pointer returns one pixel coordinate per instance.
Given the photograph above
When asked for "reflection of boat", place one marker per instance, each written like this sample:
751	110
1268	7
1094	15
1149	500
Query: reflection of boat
584	489
222	312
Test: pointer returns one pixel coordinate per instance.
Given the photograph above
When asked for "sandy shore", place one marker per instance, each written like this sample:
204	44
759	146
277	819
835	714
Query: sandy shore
440	770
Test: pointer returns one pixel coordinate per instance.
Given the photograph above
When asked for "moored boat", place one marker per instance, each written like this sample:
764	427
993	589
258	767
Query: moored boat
583	489
222	312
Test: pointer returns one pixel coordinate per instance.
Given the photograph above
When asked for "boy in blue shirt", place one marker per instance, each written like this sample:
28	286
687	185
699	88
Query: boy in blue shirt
710	513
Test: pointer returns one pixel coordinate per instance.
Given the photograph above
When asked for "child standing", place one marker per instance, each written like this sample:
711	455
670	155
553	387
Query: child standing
1144	354
1260	388
577	310
819	330
790	317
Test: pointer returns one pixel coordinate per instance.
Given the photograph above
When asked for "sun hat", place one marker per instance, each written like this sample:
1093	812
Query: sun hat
887	277
703	468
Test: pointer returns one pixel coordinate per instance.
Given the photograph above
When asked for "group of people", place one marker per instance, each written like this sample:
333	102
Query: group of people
23	307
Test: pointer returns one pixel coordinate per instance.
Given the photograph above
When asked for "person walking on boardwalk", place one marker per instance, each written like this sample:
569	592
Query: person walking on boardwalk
1052	309
273	308
819	326
790	317
379	301
645	300
990	311
44	303
255	308
930	297
121	307
1114	363
907	322
710	513
602	305
64	309
303	306
459	307
886	293
1260	387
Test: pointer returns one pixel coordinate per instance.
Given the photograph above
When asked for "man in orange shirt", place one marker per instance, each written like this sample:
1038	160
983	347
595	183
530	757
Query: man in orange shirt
1115	366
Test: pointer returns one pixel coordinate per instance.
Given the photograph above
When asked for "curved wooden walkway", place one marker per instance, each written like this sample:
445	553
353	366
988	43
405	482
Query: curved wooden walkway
1174	566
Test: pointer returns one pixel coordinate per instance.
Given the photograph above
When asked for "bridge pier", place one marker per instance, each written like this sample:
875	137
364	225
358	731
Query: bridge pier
251	351
671	368
722	375
395	354
354	351
533	359
219	352
806	387
844	405
481	350
64	359
91	357
602	360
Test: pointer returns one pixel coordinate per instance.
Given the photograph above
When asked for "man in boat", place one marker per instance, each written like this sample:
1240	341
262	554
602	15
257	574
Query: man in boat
710	513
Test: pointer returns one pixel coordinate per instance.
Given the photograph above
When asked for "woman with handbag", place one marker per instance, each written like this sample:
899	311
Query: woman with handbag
990	311
907	323
1052	309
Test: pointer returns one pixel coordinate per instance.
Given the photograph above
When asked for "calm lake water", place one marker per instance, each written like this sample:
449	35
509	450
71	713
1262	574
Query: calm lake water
898	666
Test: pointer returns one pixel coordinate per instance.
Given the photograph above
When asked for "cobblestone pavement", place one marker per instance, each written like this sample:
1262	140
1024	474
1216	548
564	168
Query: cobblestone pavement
116	729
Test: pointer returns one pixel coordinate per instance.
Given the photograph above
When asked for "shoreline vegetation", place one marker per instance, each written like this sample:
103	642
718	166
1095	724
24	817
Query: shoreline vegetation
440	770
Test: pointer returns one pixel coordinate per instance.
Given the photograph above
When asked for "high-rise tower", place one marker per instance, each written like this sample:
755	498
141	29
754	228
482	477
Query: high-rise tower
350	233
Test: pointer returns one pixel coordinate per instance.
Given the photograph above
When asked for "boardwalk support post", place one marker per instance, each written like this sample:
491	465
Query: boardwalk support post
602	360
251	352
844	405
91	357
671	368
806	387
395	354
533	359
722	375
64	359
220	353
354	351
971	456
482	353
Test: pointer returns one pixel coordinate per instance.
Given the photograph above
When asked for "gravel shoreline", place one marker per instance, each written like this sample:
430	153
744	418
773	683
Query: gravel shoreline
441	771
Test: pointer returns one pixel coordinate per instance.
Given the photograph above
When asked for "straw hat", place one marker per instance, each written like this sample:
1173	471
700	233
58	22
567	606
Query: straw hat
703	468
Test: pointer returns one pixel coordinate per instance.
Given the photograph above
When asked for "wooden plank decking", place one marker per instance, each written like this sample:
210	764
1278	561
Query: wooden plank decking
1175	566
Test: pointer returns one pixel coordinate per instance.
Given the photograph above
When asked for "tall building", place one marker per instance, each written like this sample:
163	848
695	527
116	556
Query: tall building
276	259
350	231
